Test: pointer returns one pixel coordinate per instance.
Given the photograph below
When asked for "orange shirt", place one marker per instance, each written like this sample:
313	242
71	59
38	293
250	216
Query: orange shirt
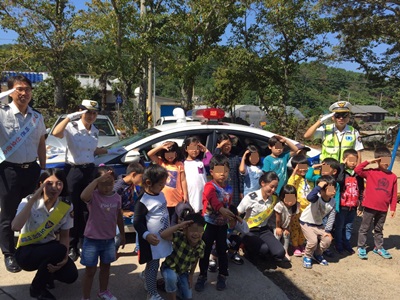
173	189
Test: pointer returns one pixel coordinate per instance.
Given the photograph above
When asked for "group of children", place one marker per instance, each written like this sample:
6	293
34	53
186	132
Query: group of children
304	209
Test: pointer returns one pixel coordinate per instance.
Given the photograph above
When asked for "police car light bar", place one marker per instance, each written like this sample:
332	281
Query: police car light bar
209	113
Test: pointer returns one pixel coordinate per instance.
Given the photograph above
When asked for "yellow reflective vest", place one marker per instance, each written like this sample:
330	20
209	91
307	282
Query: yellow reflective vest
332	147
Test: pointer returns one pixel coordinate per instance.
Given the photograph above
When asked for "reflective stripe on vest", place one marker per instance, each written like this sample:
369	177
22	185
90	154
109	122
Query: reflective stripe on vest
332	147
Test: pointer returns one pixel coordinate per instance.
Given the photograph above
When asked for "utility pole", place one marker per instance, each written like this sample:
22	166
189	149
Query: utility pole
147	72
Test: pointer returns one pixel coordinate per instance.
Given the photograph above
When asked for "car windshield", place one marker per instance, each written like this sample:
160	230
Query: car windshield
134	138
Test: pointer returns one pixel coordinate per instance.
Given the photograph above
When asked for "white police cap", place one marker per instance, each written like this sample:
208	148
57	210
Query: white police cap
90	105
340	106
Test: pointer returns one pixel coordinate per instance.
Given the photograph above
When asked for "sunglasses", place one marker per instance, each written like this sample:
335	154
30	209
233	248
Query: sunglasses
341	115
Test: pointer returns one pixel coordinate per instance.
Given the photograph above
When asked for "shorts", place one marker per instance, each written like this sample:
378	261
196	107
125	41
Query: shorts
93	249
176	283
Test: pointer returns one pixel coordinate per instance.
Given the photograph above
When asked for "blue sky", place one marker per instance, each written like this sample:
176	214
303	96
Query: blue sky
10	37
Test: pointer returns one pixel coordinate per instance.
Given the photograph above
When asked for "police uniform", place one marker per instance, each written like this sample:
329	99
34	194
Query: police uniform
36	256
19	173
334	141
260	240
81	144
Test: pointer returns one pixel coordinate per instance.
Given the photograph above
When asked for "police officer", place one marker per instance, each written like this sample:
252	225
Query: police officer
82	141
22	141
338	136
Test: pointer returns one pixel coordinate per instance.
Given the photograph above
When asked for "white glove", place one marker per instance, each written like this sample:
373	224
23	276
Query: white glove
76	115
116	151
325	118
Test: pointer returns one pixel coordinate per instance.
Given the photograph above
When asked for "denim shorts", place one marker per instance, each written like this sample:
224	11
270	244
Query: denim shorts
176	283
93	249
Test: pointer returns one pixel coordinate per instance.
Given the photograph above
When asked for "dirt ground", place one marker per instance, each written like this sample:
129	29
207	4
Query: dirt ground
347	276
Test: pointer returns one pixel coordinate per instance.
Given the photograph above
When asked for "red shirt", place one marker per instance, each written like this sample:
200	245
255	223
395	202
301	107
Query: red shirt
380	188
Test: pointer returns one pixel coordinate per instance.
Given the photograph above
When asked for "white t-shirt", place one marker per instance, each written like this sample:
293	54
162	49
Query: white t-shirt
196	179
286	215
39	214
157	220
81	143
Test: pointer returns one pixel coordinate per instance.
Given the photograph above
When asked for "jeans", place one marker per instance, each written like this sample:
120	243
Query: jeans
344	226
176	283
93	249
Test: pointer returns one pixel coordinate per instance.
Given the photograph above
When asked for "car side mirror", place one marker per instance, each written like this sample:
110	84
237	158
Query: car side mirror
131	156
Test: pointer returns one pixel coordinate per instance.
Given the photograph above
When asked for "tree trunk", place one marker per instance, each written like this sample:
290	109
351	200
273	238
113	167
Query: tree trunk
59	100
103	90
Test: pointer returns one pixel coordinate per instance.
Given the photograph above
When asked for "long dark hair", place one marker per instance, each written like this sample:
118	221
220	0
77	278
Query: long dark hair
60	174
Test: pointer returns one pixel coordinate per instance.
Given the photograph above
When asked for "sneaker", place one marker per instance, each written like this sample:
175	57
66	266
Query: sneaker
362	253
320	259
297	252
201	281
155	297
106	295
382	252
235	258
212	266
221	282
307	263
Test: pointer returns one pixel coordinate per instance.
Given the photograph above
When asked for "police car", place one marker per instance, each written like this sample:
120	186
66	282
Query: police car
205	125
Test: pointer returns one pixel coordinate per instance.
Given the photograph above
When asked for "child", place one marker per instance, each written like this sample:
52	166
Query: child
303	188
175	190
285	210
318	235
258	208
178	268
104	208
195	171
380	195
151	218
224	147
128	187
277	160
250	169
351	192
216	201
329	166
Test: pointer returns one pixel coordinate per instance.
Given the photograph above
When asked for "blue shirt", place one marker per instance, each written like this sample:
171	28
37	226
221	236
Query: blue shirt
279	166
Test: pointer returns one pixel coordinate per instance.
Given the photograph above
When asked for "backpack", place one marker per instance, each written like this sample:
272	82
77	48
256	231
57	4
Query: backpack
351	193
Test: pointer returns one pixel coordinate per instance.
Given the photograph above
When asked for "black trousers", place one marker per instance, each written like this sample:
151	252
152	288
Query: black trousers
38	256
263	242
15	184
218	234
78	179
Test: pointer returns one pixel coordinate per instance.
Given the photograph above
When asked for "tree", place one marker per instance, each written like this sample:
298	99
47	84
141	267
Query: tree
369	34
194	30
282	35
46	32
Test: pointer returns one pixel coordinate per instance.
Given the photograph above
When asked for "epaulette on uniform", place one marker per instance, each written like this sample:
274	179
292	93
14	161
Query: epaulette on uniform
253	195
75	124
65	200
3	105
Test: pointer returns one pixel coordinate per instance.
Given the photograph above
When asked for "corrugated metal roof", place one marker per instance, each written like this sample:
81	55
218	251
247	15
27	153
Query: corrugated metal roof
365	109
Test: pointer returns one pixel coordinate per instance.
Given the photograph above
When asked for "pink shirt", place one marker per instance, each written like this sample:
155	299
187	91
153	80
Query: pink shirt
103	212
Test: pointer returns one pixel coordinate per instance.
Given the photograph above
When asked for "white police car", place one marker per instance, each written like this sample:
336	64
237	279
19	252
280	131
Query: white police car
207	129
